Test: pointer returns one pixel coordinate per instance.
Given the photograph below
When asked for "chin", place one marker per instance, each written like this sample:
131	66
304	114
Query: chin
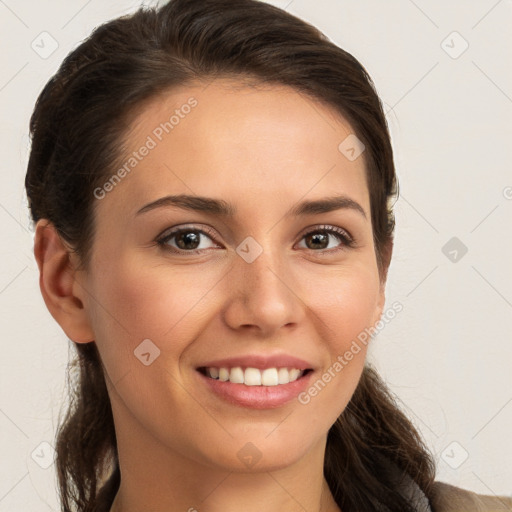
259	455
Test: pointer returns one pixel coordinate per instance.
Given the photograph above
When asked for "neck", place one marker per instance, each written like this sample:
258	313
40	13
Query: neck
155	478
232	493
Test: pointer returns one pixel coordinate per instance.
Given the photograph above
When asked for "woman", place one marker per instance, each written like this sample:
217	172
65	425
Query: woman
211	183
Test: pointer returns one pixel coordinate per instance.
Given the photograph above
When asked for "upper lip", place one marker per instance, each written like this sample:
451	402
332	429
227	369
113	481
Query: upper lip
260	361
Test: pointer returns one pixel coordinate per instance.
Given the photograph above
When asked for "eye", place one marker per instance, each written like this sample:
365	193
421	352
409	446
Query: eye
187	239
318	238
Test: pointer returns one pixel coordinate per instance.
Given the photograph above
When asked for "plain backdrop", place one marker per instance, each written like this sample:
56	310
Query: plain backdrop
443	70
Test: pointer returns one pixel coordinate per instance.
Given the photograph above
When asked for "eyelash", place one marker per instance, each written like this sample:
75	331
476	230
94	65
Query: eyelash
341	234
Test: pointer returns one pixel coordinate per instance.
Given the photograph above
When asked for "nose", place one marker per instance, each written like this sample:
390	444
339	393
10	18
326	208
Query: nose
263	295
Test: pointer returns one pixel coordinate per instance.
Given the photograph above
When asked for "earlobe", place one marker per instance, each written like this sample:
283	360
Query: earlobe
57	281
379	305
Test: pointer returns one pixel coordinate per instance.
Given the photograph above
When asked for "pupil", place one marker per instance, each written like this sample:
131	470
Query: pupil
189	237
316	237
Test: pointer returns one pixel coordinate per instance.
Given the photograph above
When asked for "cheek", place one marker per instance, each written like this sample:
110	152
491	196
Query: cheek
136	301
346	301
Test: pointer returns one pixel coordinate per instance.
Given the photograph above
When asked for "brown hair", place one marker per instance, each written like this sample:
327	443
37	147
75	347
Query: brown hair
77	129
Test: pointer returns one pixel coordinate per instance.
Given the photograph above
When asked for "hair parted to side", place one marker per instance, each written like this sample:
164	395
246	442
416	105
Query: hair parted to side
77	130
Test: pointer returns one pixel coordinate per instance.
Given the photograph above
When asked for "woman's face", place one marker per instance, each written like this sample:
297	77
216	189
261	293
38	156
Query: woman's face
261	280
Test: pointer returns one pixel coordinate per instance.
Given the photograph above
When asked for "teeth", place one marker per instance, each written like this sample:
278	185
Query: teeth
269	377
255	376
294	374
283	376
252	377
236	375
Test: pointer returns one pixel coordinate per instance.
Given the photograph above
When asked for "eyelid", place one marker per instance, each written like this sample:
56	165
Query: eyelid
329	228
171	232
188	227
347	240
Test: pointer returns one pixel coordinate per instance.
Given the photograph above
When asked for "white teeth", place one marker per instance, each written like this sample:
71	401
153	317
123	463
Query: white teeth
283	376
252	377
294	374
269	377
236	375
255	376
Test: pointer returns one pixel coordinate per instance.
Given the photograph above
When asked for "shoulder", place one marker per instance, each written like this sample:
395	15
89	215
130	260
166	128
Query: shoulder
448	498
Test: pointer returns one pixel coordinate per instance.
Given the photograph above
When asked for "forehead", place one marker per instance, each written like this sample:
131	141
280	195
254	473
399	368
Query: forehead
250	142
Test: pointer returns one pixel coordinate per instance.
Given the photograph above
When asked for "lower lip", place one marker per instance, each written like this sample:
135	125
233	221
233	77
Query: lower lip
257	397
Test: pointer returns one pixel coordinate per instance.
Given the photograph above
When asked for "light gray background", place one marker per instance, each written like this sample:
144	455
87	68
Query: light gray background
448	354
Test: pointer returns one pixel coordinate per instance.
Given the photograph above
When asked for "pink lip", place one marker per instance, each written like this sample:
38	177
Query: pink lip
260	361
257	397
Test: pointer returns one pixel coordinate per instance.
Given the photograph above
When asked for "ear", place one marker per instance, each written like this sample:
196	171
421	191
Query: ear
387	251
62	293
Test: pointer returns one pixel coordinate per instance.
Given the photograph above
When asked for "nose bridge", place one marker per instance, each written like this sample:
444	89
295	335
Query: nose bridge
263	294
259	263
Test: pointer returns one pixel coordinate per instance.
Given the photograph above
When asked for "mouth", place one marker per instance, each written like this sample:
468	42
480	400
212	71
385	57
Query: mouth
249	376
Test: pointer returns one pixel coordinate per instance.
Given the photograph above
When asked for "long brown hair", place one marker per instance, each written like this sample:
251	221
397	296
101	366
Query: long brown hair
77	129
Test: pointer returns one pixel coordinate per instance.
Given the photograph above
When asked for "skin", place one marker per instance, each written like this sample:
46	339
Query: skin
263	149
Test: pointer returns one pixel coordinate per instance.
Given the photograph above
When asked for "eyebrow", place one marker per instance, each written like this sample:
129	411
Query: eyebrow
221	208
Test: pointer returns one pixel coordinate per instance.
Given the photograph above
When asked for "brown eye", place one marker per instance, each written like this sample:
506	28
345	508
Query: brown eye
188	239
319	239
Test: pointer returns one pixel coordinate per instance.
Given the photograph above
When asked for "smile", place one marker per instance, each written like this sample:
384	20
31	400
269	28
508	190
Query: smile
254	376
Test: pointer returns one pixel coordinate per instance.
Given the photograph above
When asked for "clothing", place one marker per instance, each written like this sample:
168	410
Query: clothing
448	498
445	497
